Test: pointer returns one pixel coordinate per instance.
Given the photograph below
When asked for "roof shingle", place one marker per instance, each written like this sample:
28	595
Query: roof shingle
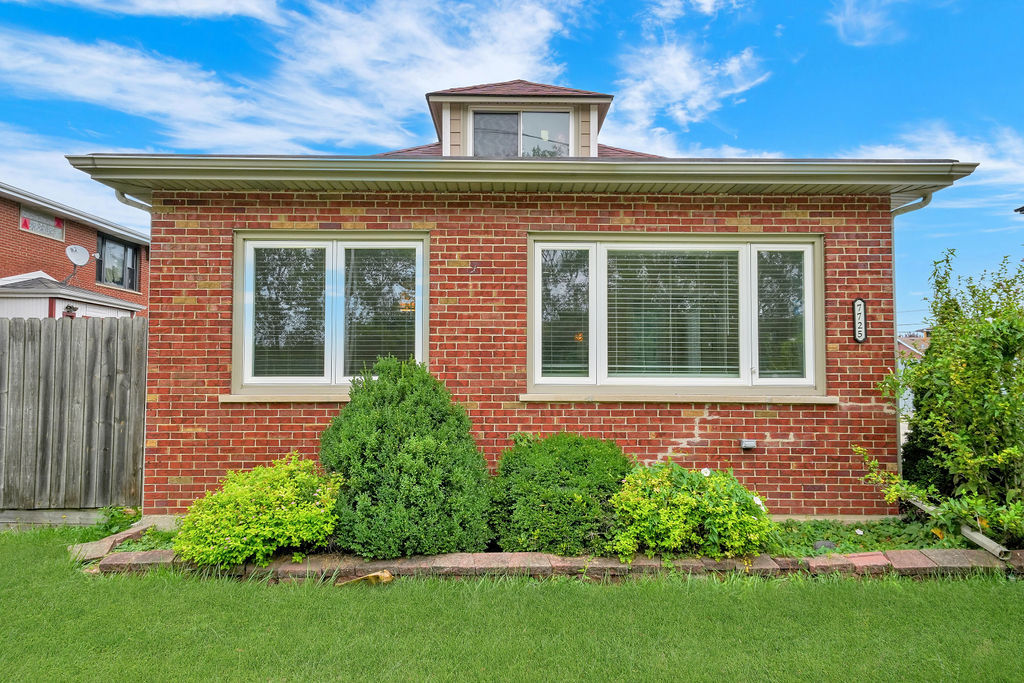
518	87
434	150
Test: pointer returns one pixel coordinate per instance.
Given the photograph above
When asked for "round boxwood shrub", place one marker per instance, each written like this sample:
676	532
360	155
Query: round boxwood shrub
414	481
286	505
551	494
669	510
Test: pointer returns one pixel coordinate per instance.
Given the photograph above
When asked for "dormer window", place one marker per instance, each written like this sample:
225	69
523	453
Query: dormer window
521	134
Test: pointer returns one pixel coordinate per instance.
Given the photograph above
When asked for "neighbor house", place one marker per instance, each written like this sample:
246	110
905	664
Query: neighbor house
727	313
37	280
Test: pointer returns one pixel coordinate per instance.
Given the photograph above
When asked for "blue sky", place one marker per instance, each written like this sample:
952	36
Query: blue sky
843	78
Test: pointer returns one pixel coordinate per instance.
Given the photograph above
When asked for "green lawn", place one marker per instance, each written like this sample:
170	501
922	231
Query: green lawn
59	624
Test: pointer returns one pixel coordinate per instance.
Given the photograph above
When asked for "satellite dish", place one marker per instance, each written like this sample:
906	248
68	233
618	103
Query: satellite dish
79	256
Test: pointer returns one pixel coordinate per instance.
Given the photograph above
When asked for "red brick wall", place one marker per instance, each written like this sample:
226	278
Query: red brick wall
25	252
803	463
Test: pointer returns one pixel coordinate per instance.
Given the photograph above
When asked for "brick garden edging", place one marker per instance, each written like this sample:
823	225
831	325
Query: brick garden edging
916	563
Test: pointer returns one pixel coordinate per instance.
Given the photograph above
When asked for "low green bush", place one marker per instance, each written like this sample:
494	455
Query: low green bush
414	481
552	494
669	510
286	505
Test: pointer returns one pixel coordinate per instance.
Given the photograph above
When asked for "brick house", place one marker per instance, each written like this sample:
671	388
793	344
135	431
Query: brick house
34	233
696	308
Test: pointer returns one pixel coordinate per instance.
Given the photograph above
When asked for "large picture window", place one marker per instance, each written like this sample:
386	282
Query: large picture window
322	311
673	314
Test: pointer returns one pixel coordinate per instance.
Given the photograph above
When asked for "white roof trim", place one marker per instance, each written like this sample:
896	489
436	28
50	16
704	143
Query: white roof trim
56	208
25	276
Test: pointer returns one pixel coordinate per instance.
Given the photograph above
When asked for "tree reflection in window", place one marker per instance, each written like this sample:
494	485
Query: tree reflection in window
780	313
380	306
289	322
565	312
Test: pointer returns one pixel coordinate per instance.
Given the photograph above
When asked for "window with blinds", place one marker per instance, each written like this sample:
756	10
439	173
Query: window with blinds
289	312
673	313
565	312
380	306
781	311
635	313
321	312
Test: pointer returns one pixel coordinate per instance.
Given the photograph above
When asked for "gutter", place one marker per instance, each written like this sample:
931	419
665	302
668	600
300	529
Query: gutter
926	199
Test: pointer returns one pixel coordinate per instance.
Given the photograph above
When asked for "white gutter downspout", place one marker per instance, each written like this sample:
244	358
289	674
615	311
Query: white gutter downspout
133	202
926	199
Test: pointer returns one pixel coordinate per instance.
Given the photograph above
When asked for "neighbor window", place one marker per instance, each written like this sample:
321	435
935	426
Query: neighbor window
622	313
521	134
118	263
321	312
40	223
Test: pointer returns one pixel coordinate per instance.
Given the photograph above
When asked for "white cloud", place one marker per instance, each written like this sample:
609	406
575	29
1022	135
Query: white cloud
669	79
865	22
343	77
264	10
667	11
36	163
1001	153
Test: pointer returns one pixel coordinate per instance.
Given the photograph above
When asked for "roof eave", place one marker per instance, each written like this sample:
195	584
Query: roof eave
87	297
69	213
141	174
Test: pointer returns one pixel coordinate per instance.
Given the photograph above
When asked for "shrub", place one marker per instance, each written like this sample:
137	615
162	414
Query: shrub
969	399
286	505
669	510
552	495
414	481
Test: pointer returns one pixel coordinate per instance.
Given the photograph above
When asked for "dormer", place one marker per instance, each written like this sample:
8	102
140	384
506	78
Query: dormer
518	119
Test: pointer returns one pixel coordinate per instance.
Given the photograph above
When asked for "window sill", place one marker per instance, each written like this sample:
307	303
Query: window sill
119	288
284	398
677	398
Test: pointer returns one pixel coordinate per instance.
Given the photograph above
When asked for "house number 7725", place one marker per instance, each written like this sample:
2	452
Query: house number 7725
860	321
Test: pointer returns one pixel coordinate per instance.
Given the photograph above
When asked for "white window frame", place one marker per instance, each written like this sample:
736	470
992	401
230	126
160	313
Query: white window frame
334	337
519	111
748	323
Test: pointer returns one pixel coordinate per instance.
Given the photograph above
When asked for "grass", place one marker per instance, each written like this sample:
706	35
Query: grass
61	624
892	533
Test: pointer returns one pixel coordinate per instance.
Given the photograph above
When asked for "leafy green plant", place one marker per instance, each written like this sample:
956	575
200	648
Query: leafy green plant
286	505
153	539
797	538
116	519
969	399
414	481
669	510
552	494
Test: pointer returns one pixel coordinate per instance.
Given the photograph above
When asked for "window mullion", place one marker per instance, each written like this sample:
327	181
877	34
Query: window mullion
336	312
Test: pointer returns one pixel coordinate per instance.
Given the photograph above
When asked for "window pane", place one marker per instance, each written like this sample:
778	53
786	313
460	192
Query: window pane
113	263
780	313
380	306
495	135
673	313
565	312
545	134
289	322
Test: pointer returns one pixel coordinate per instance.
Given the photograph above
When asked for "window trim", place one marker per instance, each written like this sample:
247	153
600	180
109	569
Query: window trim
101	243
519	110
598	387
330	386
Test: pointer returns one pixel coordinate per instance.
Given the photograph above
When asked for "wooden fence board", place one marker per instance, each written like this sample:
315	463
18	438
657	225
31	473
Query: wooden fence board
72	412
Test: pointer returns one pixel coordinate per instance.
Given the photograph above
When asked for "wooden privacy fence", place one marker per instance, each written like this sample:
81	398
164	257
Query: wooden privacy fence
72	410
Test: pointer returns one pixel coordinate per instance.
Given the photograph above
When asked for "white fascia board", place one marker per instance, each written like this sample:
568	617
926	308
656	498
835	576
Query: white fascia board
141	173
68	213
86	297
